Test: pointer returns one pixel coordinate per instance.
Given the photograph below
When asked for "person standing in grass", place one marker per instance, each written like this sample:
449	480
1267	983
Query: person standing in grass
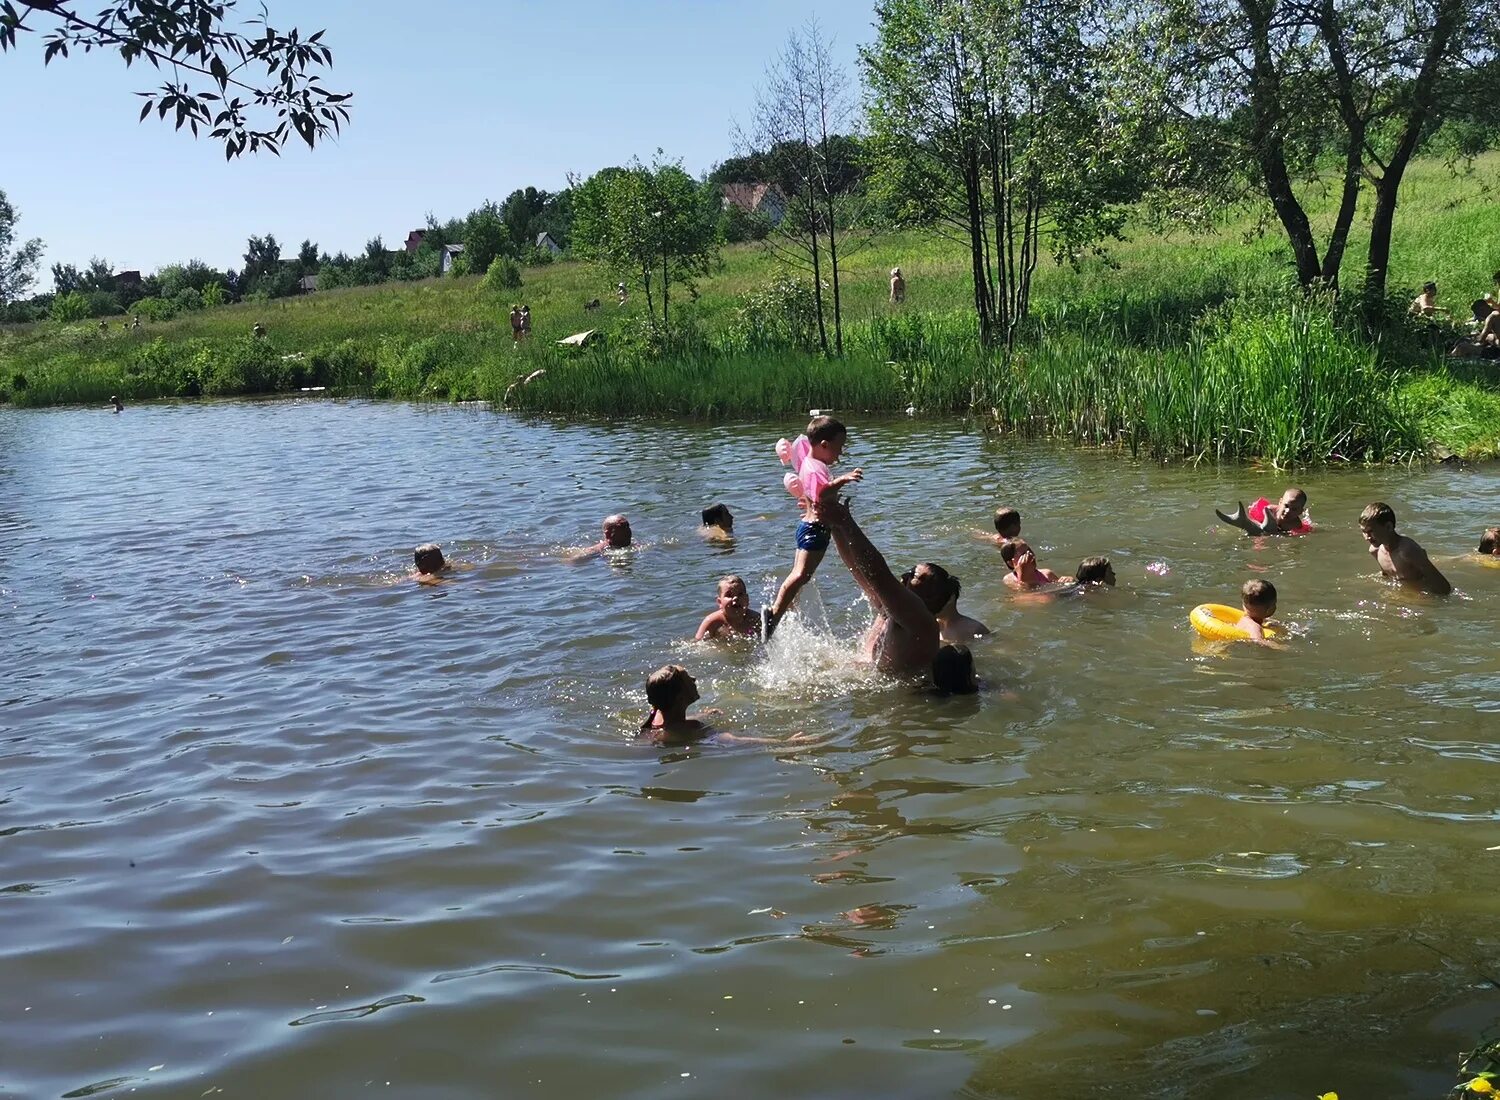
515	323
1399	556
898	287
525	322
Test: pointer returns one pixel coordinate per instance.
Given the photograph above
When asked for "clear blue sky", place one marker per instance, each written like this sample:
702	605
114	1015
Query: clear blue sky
455	101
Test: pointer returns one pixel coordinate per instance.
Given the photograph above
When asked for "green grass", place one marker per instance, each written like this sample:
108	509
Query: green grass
1174	344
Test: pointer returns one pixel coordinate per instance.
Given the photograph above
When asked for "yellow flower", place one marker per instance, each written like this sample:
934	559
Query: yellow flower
1329	1096
1481	1085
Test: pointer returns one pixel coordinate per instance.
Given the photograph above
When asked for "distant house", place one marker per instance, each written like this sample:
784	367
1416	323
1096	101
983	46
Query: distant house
764	199
414	240
127	278
451	252
544	240
307	284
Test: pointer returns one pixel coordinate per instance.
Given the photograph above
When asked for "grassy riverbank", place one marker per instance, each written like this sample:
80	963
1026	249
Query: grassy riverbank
1175	345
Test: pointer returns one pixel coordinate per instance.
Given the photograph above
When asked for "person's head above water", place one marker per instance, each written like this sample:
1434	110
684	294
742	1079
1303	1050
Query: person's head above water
1291	506
670	690
953	671
1095	570
1378	522
827	437
1259	599
1007	523
932	584
733	593
616	531
718	515
1012	549
1489	542
429	558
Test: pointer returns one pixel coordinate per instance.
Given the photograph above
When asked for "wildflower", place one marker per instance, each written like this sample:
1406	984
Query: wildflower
1329	1096
1482	1086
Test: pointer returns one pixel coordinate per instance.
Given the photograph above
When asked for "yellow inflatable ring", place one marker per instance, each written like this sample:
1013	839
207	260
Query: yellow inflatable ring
1490	560
1218	622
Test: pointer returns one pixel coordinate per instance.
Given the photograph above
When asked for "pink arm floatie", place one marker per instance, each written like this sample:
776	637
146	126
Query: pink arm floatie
793	454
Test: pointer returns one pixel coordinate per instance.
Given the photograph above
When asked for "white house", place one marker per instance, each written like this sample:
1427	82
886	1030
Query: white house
764	199
451	252
544	240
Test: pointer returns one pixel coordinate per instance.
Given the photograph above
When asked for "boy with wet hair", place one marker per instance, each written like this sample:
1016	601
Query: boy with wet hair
430	563
953	671
953	625
719	516
1489	542
1258	598
733	615
1399	556
1007	525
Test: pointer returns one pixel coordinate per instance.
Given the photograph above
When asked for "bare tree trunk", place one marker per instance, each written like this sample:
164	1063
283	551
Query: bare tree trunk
1266	136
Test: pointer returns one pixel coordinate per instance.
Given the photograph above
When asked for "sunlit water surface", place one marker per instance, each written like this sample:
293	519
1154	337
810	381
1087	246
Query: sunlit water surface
276	821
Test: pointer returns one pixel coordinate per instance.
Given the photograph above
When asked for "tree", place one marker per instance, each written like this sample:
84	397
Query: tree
307	258
650	224
18	260
798	113
520	212
485	237
993	119
262	262
1290	82
249	84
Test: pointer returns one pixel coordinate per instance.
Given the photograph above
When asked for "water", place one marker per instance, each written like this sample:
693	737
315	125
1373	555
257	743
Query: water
275	821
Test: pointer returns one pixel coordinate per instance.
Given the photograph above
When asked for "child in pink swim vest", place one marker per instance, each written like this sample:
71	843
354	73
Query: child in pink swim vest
811	483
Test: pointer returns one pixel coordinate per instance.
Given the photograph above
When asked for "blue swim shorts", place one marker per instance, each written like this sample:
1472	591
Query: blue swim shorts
812	536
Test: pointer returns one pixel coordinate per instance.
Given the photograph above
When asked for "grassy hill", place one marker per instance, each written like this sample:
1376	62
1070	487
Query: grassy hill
1116	340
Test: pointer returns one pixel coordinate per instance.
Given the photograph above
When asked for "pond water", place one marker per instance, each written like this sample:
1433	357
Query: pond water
276	821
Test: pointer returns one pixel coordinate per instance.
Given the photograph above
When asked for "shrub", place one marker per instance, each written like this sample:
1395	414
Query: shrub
68	307
103	303
502	275
213	295
154	309
459	268
188	299
783	315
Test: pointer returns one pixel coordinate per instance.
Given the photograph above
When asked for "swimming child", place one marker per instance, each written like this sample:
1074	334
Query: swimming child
617	536
1095	572
1024	571
118	405
670	690
1489	542
1258	598
1285	517
810	456
953	671
430	563
1007	525
1398	555
953	625
718	523
733	615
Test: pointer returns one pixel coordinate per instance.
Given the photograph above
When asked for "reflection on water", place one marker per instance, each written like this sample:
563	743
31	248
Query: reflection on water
252	776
